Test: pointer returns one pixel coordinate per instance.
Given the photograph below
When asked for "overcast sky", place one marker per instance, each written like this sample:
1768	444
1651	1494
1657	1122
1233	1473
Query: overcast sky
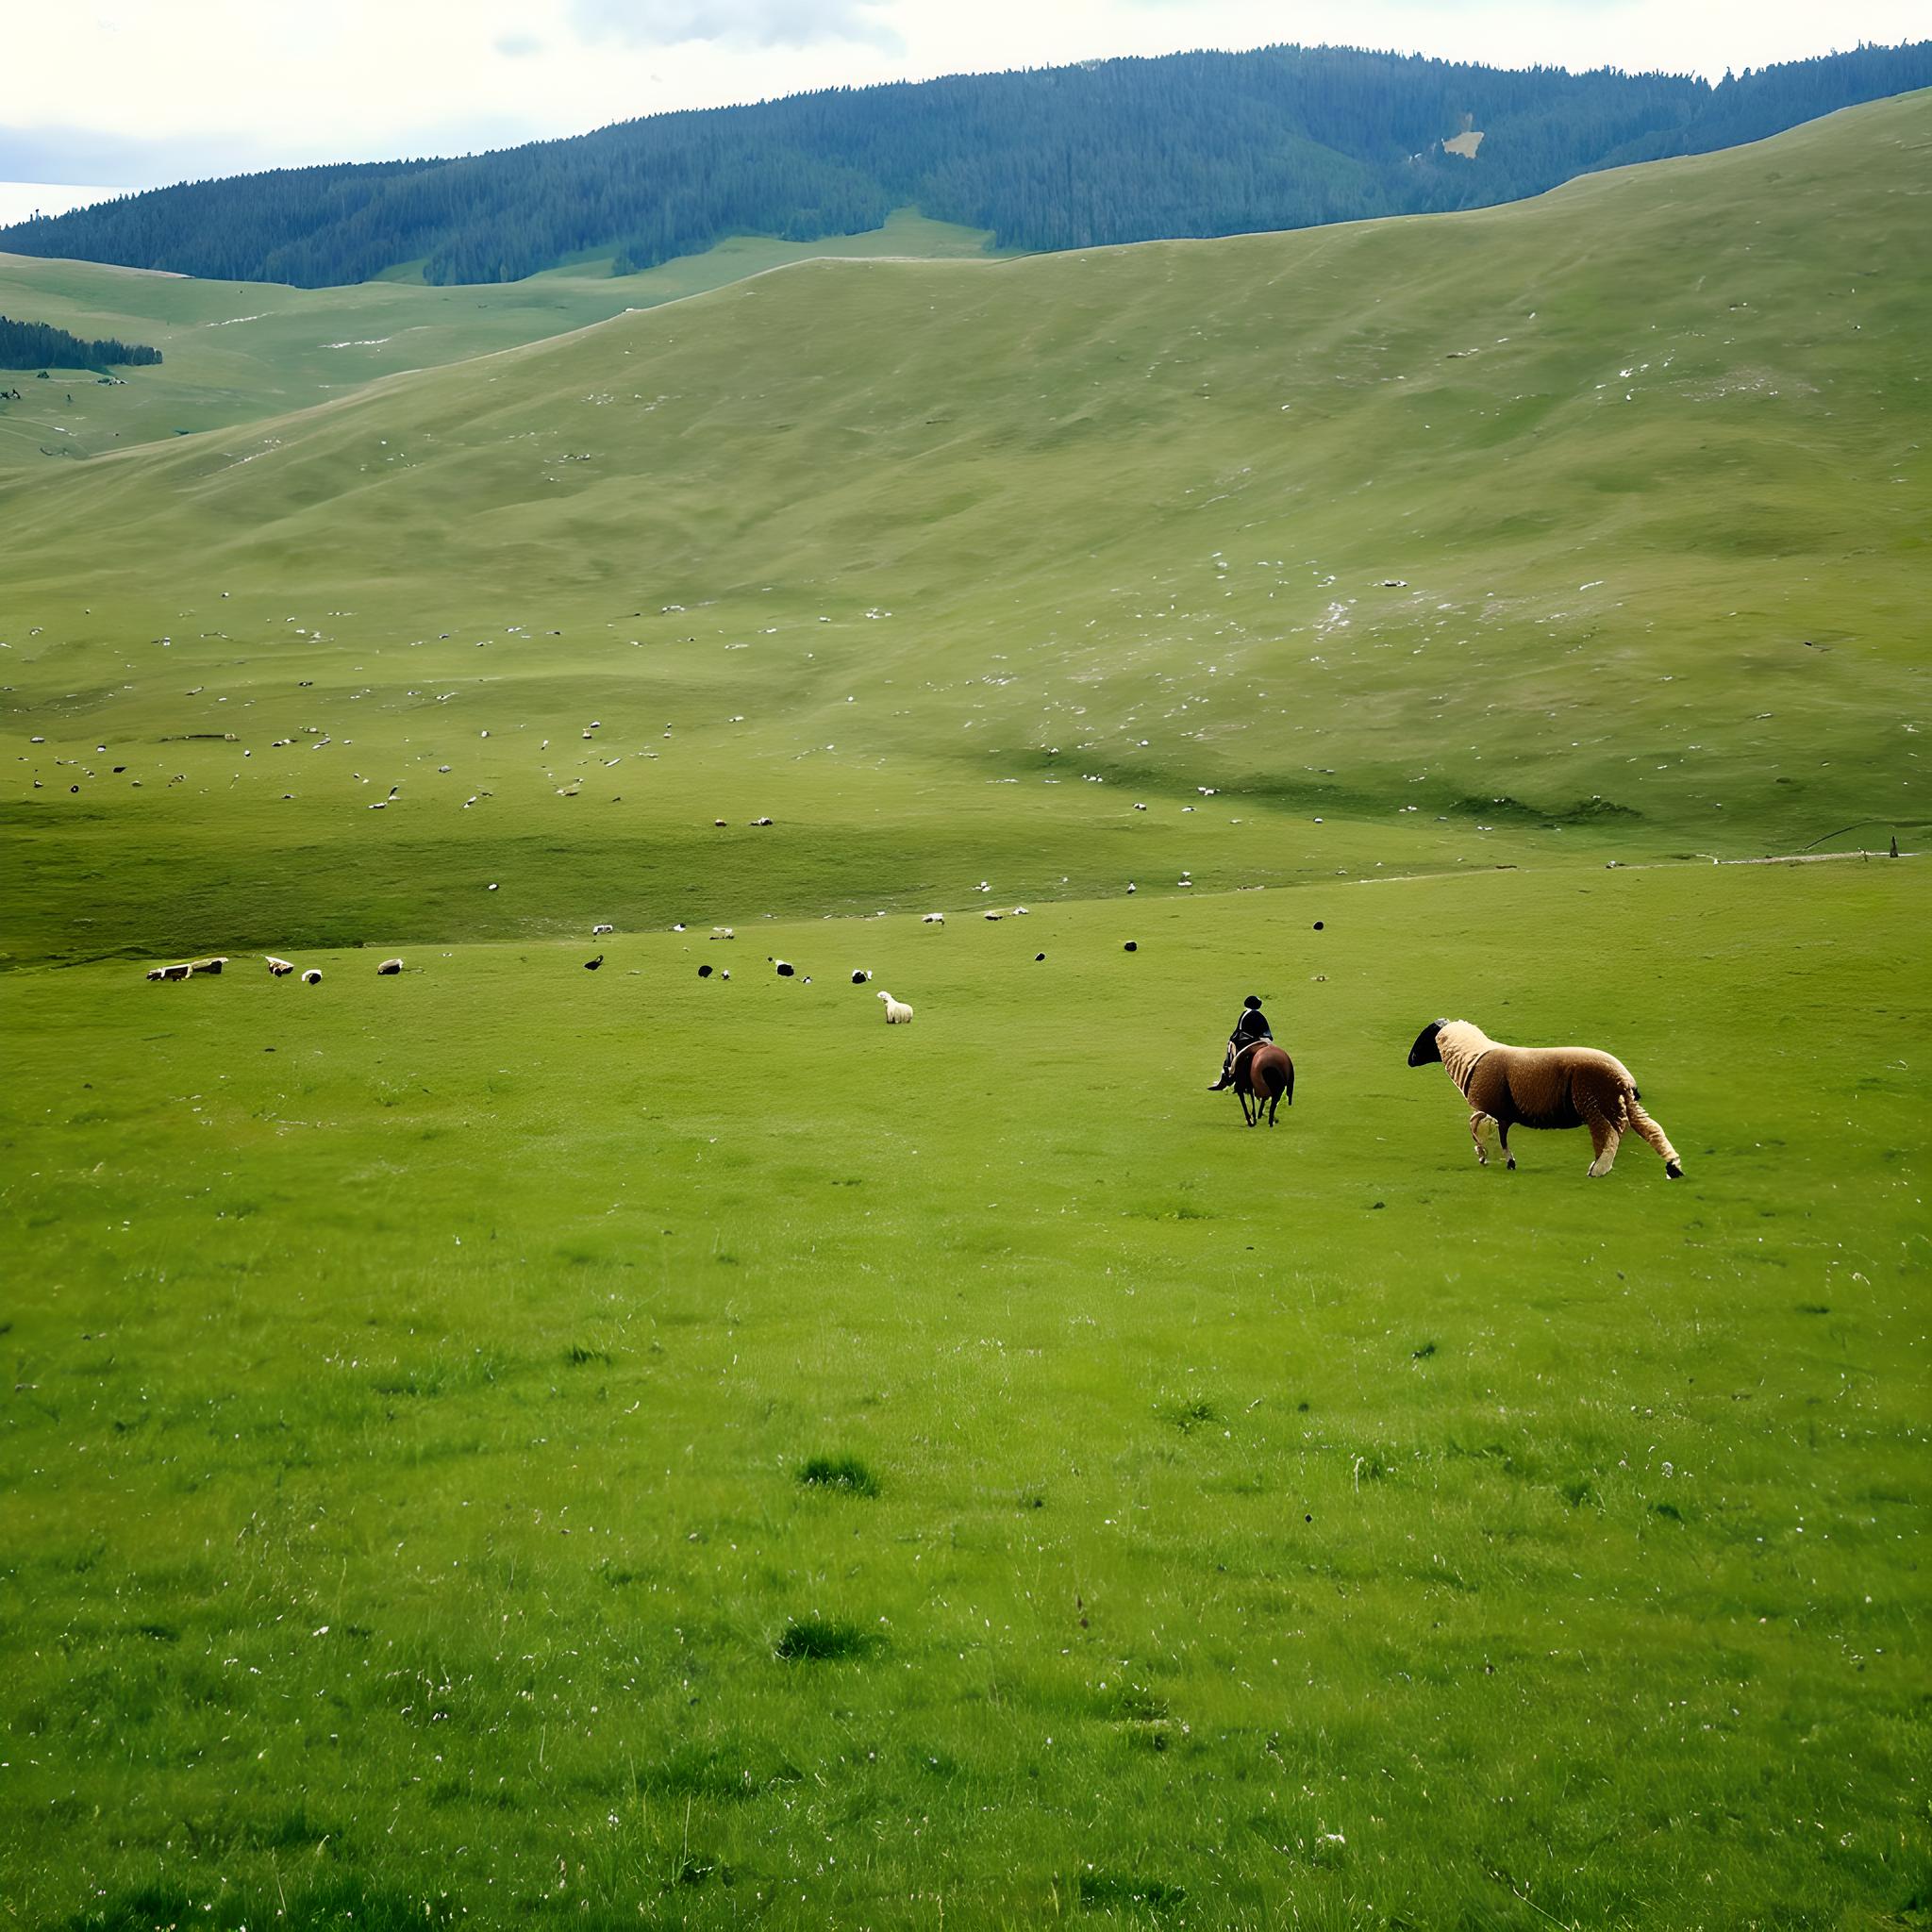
137	92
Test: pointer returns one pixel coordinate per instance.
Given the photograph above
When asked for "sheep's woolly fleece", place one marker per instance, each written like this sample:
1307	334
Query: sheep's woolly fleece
1548	1087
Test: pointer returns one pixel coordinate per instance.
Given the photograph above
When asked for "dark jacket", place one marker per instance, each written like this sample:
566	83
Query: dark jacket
1252	1026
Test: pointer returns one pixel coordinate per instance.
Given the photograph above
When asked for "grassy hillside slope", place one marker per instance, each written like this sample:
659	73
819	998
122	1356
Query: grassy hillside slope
1588	525
235	350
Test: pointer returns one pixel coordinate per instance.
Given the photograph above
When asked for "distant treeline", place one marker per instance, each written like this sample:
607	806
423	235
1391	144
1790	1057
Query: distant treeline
41	345
1061	158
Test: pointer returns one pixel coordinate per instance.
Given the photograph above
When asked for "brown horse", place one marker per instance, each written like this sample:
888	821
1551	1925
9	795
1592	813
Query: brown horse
1263	1079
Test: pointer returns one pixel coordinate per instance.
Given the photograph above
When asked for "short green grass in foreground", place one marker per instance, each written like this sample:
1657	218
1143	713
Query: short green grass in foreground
438	1477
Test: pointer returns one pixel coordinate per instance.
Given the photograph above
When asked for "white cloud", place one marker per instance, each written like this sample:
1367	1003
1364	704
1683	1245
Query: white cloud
736	22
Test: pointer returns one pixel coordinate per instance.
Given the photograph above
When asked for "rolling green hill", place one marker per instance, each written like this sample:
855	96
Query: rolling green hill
236	351
1591	522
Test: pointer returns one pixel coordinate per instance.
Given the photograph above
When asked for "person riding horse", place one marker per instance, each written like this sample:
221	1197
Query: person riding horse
1250	1028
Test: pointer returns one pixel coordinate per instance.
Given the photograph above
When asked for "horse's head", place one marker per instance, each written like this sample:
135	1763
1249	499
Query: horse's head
1426	1049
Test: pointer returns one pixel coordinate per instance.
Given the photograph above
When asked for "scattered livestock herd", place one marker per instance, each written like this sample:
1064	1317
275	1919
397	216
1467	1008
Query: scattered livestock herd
278	969
1505	1086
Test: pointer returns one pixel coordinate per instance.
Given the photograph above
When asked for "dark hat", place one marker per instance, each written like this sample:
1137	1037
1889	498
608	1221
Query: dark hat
1252	1001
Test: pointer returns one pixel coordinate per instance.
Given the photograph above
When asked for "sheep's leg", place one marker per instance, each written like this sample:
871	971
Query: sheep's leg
1477	1121
1657	1139
1603	1139
1503	1141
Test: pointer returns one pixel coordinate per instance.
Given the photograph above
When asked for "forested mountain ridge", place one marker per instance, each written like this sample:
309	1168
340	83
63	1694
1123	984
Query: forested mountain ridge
1111	151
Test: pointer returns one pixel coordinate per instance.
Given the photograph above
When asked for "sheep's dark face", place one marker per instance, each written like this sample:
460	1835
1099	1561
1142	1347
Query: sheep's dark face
1425	1050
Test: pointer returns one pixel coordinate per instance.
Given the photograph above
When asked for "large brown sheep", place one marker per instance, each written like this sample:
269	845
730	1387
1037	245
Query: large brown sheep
1540	1087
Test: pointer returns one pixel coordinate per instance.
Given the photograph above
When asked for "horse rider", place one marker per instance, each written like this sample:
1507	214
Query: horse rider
1249	1029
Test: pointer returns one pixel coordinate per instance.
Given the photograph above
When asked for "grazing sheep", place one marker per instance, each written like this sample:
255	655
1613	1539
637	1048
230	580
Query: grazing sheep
180	972
785	969
1542	1087
934	919
389	968
897	1013
597	930
314	976
862	976
722	932
995	915
704	973
279	967
591	965
210	965
1131	946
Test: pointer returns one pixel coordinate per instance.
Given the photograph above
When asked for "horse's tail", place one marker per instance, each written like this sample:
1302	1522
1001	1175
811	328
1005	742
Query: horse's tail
1276	1073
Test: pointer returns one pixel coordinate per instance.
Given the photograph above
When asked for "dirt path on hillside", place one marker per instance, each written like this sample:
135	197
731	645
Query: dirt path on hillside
1649	865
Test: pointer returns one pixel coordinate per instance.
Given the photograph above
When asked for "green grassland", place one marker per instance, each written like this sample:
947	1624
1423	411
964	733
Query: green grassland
519	1444
404	1498
236	351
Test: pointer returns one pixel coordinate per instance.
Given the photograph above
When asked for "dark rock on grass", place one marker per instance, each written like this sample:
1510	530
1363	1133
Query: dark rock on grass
818	1639
839	1473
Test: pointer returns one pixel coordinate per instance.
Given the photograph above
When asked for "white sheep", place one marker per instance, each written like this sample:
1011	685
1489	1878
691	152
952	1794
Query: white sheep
934	919
279	967
314	976
897	1013
390	967
597	930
